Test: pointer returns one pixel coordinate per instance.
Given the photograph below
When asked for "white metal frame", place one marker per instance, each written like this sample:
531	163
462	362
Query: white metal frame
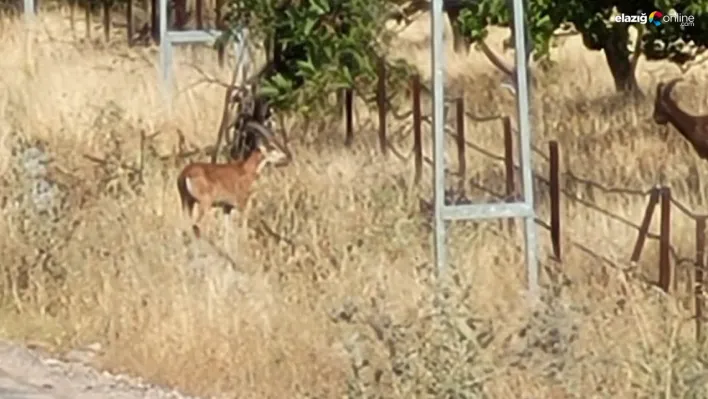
169	38
29	10
524	209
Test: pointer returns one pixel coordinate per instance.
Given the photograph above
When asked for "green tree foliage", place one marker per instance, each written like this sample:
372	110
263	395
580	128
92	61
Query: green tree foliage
595	21
318	46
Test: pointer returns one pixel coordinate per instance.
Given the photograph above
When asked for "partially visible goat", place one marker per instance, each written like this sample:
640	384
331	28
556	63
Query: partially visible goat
692	127
228	186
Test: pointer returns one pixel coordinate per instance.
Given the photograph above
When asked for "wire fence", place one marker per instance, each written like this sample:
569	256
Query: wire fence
140	21
669	259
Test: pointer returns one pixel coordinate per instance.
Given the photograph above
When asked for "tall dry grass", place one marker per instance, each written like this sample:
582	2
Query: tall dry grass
341	302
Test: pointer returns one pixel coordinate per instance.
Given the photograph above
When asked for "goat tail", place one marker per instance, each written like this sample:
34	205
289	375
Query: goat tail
185	196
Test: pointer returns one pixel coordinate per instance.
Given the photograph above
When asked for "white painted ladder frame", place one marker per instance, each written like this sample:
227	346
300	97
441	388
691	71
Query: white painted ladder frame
523	209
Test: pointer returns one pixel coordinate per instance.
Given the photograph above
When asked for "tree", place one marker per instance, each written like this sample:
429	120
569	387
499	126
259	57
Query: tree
595	21
315	46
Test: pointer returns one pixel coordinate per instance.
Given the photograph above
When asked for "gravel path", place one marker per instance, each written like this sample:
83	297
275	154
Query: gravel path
26	374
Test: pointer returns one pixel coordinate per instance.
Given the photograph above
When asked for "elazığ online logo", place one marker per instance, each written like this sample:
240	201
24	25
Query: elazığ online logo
657	18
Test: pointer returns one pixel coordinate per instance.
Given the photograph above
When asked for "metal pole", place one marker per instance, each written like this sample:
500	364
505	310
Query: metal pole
438	68
245	50
523	112
29	10
242	54
165	53
527	32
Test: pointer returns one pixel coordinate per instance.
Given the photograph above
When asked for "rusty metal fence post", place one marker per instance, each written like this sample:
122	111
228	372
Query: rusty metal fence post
155	20
200	14
460	123
72	16
107	4
382	106
554	179
665	240
510	189
221	50
509	160
349	117
129	19
417	132
644	227
698	281
87	18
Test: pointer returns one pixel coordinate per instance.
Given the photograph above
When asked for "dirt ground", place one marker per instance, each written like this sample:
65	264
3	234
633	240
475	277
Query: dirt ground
26	373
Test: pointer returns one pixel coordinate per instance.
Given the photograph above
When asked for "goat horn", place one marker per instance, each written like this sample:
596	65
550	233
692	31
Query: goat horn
668	87
496	59
253	79
261	130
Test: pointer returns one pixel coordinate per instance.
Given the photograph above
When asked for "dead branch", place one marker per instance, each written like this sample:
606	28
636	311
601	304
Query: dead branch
205	79
104	162
220	252
264	229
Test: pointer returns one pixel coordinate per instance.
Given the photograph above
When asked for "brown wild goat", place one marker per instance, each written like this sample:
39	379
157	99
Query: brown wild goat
229	185
692	127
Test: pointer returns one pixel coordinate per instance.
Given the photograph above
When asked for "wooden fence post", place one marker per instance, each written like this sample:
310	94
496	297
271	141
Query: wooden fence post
665	240
644	227
349	117
554	179
381	103
461	159
698	281
417	131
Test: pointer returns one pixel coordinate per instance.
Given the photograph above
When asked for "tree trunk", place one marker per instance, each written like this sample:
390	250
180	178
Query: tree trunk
618	59
460	43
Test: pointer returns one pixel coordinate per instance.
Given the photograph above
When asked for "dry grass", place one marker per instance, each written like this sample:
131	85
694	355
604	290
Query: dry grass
346	308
